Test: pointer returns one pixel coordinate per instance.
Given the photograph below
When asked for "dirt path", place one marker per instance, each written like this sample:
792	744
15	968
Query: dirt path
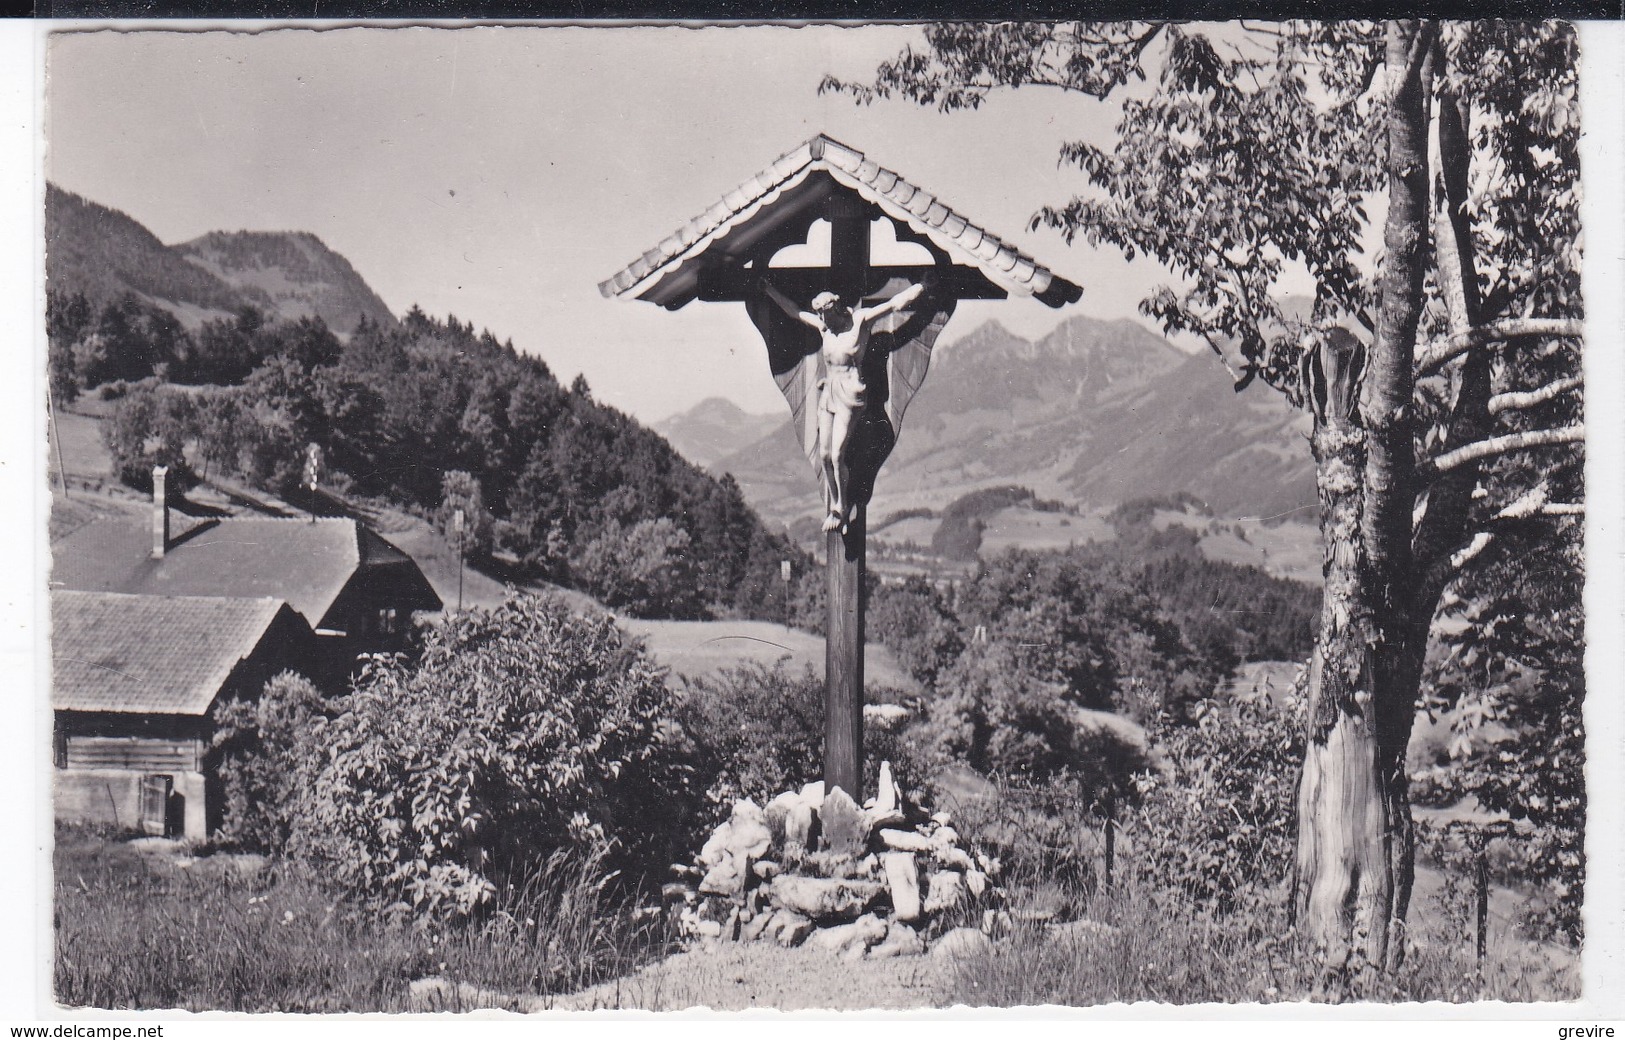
738	976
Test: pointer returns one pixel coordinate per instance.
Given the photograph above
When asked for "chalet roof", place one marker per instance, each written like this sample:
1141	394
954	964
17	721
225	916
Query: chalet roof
152	654
786	190
305	563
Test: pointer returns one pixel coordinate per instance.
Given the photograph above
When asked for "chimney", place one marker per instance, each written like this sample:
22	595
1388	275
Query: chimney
160	513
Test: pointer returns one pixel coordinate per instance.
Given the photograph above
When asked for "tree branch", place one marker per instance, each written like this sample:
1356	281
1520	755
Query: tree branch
1530	398
1441	352
1499	446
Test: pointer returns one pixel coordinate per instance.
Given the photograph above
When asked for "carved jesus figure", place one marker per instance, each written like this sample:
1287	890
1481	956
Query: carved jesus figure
844	342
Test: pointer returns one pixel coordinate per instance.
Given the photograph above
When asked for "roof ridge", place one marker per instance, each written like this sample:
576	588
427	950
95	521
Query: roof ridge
109	594
897	198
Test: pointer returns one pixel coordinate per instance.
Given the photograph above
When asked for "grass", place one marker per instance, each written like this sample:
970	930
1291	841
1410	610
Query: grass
1162	952
138	927
143	928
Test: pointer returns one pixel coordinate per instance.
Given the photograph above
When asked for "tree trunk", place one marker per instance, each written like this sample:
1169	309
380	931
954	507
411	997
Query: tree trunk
1356	841
1342	887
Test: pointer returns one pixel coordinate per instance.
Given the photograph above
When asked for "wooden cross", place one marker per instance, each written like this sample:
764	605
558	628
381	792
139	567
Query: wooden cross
725	255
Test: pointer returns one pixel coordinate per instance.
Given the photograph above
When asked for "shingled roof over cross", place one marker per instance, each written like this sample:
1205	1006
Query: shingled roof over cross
796	185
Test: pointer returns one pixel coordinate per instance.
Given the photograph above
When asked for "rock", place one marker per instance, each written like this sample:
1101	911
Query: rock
860	934
799	833
886	809
676	892
905	841
727	878
949	856
961	943
842	823
753	929
788	928
813	794
888	797
831	898
942	819
744	834
765	869
1083	930
708	929
900	941
946	889
824	898
976	881
873	821
903	881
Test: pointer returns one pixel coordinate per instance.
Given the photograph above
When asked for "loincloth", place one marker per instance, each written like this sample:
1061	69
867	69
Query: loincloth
842	389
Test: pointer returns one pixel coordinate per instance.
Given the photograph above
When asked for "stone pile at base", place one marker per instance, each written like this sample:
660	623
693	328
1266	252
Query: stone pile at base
809	868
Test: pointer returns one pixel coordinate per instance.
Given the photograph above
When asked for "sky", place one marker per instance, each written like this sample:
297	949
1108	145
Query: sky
499	174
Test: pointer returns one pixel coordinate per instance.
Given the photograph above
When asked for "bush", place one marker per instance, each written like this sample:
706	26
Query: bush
1218	830
266	748
520	731
754	732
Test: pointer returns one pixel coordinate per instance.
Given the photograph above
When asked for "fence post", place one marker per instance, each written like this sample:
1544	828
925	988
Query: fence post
1482	883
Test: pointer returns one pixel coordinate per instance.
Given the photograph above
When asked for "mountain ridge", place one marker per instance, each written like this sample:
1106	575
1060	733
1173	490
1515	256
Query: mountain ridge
1094	413
105	254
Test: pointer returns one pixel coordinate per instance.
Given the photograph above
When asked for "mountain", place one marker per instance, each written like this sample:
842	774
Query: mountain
104	254
1095	413
294	270
714	429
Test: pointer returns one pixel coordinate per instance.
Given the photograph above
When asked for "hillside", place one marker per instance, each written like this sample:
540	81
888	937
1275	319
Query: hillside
105	254
1094	414
294	270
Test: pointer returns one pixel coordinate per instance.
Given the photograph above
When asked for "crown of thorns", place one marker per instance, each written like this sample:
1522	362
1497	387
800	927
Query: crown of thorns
824	299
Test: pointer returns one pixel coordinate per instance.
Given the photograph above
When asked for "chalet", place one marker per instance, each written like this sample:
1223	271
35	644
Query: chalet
134	680
354	589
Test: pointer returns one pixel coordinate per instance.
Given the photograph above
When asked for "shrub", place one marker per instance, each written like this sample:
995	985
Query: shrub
521	730
266	748
755	731
1217	830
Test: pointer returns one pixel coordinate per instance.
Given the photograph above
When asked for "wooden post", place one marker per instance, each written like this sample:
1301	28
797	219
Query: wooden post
1481	872
843	659
845	554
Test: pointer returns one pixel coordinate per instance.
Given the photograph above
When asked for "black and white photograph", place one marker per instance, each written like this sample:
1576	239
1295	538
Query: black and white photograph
541	518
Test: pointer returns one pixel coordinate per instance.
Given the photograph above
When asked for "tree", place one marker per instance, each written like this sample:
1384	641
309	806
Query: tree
460	492
67	319
149	427
1250	152
643	569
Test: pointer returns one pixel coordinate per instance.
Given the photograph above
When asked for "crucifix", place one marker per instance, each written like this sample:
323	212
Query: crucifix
848	344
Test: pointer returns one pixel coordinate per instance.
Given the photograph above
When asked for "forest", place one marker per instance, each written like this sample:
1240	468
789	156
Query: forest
429	415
